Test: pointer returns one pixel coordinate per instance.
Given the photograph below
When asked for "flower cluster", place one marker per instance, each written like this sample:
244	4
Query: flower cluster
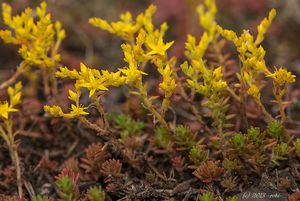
251	54
37	38
207	14
207	79
126	27
204	79
281	77
143	44
97	82
94	80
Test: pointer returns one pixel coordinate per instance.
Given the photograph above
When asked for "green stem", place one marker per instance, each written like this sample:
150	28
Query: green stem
13	149
243	98
100	109
46	82
92	126
150	106
194	109
53	81
266	113
236	97
281	108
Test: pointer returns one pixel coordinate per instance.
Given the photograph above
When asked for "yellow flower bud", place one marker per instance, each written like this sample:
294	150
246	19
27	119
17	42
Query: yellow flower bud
254	92
281	77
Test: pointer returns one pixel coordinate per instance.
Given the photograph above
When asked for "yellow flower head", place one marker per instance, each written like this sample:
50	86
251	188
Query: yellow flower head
254	92
14	99
217	83
55	110
36	38
131	74
92	79
168	85
250	53
5	109
281	77
126	27
207	15
77	111
159	47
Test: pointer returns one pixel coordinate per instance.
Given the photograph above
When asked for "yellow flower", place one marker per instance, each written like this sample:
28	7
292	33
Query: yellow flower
15	94
168	85
254	92
93	84
217	83
281	76
92	79
159	47
5	109
126	27
77	111
55	110
64	72
250	53
218	73
228	34
73	96
131	73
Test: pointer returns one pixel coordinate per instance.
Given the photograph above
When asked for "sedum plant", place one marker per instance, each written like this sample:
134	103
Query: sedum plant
162	138
281	77
251	55
95	194
209	172
67	182
207	196
297	147
203	78
6	129
143	44
184	137
198	155
280	152
97	82
229	152
276	130
38	39
129	126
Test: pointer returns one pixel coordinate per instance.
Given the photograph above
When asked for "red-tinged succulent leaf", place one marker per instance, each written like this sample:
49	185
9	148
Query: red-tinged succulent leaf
209	172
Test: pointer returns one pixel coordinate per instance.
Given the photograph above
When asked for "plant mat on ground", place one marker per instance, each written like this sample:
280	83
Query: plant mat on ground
201	131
